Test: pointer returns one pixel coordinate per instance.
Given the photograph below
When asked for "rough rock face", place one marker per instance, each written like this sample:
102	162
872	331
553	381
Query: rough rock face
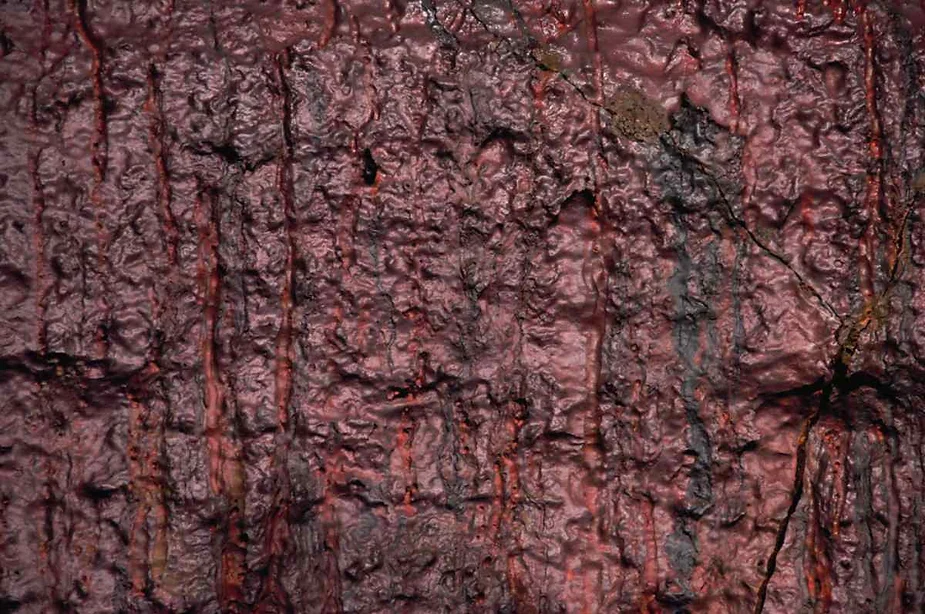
462	306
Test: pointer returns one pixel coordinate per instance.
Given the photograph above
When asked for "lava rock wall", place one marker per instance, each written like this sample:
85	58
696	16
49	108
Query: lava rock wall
462	306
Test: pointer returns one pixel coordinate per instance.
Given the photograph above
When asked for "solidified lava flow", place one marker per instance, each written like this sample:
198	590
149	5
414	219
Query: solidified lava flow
503	306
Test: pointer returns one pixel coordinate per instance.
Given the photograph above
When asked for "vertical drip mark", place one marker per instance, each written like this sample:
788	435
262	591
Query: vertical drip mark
817	568
156	136
875	173
497	505
506	500
795	495
917	560
99	147
38	237
157	498
225	473
209	277
330	529
152	500
734	104
841	485
405	444
138	538
864	508
592	450
327	521
891	591
147	552
650	567
231	593
897	254
46	532
811	563
157	557
157	554
277	534
689	310
38	199
698	498
285	188
591	35
155	458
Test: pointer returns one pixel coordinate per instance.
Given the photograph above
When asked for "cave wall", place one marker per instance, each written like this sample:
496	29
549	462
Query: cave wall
462	306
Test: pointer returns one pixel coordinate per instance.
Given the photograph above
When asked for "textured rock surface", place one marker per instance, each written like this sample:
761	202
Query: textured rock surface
462	306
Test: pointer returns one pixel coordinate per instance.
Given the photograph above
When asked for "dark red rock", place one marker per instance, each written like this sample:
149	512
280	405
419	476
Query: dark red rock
452	306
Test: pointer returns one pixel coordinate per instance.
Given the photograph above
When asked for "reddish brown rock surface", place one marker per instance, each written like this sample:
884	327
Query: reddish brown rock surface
452	306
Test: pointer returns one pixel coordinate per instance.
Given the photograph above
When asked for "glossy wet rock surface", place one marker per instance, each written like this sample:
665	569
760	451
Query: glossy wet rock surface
452	306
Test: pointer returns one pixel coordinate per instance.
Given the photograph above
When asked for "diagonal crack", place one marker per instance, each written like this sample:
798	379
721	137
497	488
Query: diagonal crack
736	221
896	269
847	348
796	494
848	341
840	363
781	259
